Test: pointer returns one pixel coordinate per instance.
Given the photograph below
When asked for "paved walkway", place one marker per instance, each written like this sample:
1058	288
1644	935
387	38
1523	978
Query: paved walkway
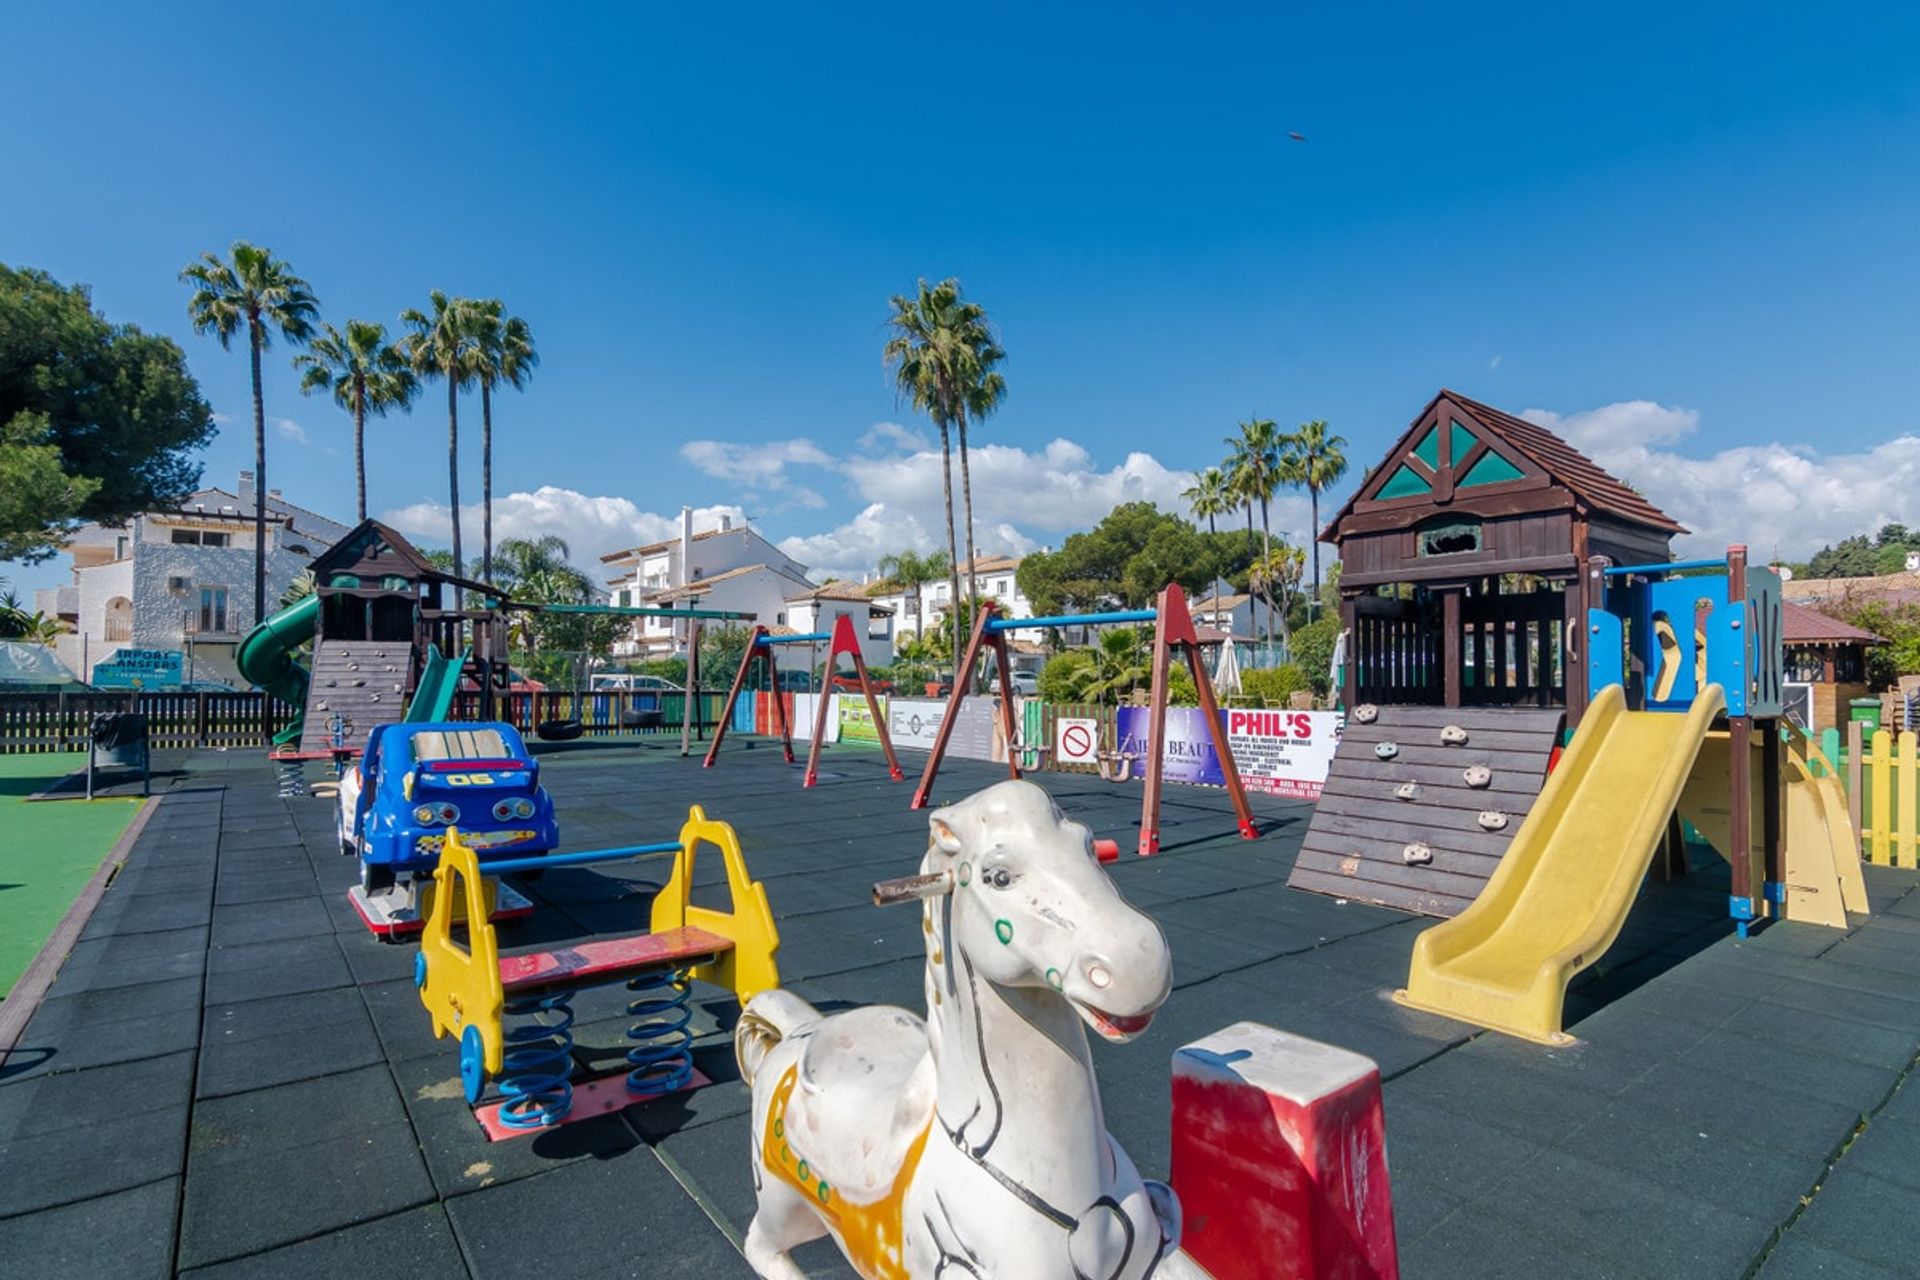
232	1078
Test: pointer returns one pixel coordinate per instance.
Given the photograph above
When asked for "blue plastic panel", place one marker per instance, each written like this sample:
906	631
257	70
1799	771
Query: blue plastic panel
1606	651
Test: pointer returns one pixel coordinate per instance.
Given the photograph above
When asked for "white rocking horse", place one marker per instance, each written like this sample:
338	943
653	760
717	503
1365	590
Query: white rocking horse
970	1146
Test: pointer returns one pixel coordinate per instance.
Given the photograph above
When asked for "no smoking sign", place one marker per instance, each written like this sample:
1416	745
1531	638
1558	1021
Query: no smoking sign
1076	741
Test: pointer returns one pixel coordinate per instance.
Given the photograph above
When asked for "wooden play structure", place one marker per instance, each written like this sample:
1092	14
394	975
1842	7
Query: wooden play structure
470	989
1172	630
759	655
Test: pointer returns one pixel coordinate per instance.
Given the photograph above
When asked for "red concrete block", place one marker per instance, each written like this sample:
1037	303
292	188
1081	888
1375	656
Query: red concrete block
1280	1158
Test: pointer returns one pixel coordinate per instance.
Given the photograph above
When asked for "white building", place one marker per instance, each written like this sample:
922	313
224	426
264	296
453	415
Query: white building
180	581
731	567
1241	616
995	577
817	610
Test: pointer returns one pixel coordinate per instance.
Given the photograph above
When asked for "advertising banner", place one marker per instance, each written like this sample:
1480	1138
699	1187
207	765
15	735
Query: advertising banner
138	669
976	734
1282	753
856	718
914	722
806	706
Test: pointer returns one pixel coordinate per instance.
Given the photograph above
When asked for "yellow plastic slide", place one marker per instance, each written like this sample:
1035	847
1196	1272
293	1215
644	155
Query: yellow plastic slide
1561	893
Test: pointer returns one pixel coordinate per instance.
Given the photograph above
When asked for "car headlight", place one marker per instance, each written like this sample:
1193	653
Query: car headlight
424	815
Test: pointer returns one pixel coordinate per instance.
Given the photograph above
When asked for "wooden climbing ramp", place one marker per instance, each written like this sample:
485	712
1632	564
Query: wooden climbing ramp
1398	784
364	682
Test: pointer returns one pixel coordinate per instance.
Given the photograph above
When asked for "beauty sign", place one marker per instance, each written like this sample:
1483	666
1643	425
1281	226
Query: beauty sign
1282	753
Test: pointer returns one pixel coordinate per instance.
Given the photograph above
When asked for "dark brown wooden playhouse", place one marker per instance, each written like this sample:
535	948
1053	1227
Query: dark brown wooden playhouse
388	619
1462	593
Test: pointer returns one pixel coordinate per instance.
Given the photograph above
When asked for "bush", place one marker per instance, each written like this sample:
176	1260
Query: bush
1313	650
1060	679
1181	691
1276	684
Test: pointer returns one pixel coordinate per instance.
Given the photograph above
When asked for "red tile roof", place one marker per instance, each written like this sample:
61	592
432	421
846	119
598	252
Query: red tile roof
1801	625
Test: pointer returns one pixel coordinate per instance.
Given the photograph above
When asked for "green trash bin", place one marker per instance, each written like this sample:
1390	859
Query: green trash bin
1867	712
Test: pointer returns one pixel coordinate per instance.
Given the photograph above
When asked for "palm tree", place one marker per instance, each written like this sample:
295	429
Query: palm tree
910	571
1276	576
254	289
441	346
943	355
1210	495
503	353
366	374
1254	465
1311	457
539	571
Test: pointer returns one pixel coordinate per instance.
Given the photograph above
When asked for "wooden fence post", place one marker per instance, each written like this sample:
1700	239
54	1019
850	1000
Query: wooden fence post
1882	776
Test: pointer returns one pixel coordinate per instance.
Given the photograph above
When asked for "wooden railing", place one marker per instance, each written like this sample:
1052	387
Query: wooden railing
58	721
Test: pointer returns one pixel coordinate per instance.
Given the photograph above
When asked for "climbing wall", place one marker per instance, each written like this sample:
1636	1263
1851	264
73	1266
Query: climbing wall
1415	815
362	681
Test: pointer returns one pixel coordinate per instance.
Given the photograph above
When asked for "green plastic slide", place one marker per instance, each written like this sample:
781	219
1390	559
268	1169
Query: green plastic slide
439	681
265	659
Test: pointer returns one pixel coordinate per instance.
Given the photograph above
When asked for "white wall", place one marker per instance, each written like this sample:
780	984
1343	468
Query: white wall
823	615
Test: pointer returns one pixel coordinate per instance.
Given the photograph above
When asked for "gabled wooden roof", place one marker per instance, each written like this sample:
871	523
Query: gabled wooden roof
1458	451
371	545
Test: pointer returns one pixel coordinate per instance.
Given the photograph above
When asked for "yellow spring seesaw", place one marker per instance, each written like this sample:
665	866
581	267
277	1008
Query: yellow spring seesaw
469	989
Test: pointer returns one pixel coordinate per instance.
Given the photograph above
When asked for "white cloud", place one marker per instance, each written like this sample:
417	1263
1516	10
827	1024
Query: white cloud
291	430
856	547
592	526
1781	500
1495	362
760	467
884	434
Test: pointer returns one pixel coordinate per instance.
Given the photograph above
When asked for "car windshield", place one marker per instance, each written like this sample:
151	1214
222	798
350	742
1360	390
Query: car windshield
461	744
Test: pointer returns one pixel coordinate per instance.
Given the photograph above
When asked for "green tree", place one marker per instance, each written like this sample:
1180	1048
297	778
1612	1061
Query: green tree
721	649
1312	649
365	374
1849	558
442	346
1254	466
537	571
1060	678
1125	560
98	421
1210	496
1311	458
503	354
944	359
1277	577
252	290
910	571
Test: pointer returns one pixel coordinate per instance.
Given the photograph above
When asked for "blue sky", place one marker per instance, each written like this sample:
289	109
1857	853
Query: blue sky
1686	232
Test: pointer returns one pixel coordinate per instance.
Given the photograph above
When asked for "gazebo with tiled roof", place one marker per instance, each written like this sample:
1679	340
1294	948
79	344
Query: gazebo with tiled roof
1461	561
1829	657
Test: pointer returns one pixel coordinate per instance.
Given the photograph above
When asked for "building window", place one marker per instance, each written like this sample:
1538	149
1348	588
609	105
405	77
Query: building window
1450	538
780	619
197	538
213	610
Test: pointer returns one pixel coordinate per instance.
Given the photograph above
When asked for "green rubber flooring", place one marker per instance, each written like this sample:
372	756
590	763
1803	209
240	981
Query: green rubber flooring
231	1077
48	852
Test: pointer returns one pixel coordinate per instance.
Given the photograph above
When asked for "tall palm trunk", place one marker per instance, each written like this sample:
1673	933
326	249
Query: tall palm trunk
453	472
486	482
966	496
1313	501
1266	558
360	446
259	479
953	558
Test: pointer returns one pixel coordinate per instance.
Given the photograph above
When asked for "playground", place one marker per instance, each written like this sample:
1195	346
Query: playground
232	1072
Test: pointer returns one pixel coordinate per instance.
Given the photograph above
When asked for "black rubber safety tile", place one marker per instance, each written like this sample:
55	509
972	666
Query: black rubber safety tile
799	895
118	1024
261	1043
1303	979
98	1095
125	913
624	1215
235	924
1863	1217
458	1155
1791	1122
714	1161
901	982
1604	1061
1793	1068
1464	1246
1431	1152
1889	1047
124	1234
1199	955
1524	1102
267	970
1710	1161
1904	1104
1798	1258
283	1164
80	1162
401	1021
1584	1206
235	888
416	1243
1888	1148
135	959
373	960
726	1096
142	878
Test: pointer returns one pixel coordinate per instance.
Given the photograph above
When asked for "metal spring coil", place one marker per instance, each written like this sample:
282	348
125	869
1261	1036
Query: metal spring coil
662	1060
536	1069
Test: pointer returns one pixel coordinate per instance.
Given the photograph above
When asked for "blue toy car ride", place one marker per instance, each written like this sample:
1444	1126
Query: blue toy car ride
416	780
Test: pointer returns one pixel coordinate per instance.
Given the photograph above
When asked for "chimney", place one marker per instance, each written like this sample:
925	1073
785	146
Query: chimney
273	493
246	491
